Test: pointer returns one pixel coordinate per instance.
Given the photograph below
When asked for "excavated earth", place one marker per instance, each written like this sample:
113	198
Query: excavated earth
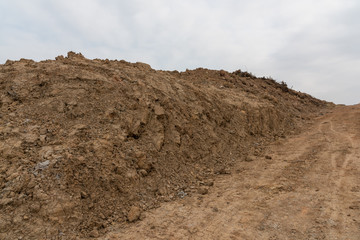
89	147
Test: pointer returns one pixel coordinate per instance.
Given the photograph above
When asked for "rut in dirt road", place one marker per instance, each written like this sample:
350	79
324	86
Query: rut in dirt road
307	187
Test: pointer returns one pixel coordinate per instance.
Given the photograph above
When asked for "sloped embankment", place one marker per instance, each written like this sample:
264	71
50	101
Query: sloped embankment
84	141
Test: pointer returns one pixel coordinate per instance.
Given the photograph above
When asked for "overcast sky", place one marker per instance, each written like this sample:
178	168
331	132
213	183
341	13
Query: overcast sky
314	46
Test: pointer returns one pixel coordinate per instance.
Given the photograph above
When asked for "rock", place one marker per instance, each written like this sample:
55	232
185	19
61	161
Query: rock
223	171
208	183
177	137
139	154
42	138
131	175
43	131
143	172
144	164
77	128
162	191
83	194
35	207
182	194
203	190
249	159
44	164
40	195
102	146
94	233
159	141
5	201
32	182
46	152
159	111
31	137
134	214
12	176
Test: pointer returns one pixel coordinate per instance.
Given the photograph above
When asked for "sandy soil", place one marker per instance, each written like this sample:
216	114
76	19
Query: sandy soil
303	187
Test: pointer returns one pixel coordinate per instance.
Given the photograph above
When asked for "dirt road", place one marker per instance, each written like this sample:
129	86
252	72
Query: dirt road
304	187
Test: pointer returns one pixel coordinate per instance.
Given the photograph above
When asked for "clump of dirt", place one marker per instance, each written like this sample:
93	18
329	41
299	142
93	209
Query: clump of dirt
88	143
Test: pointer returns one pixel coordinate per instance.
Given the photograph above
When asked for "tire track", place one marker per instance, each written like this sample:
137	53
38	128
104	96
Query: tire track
341	149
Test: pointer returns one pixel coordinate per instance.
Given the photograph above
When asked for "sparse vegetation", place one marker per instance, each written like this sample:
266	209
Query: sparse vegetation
244	74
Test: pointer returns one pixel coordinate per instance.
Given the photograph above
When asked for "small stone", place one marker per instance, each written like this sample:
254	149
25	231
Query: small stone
209	183
42	138
43	131
83	195
42	165
144	164
203	190
162	191
268	157
134	214
140	154
143	172
31	138
6	201
159	110
131	175
94	233
35	207
159	141
224	171
40	195
182	194
249	159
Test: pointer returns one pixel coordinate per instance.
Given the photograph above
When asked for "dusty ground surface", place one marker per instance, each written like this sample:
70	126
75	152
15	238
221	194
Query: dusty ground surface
304	187
86	145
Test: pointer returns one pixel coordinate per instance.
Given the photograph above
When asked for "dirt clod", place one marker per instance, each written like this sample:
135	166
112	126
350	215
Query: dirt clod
134	214
203	190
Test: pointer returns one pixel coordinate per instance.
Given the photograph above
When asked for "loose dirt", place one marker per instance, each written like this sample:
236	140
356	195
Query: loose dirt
91	146
306	187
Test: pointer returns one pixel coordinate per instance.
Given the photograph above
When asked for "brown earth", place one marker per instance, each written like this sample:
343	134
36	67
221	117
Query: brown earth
306	187
89	147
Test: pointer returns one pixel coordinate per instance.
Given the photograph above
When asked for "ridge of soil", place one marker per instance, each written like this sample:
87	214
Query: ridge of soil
86	144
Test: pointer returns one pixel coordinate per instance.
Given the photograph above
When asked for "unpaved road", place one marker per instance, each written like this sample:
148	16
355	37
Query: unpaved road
309	189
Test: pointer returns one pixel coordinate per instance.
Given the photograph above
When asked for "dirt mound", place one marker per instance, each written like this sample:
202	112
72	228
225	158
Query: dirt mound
88	143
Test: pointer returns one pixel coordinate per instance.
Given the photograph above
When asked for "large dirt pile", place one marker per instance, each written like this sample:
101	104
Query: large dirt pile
84	142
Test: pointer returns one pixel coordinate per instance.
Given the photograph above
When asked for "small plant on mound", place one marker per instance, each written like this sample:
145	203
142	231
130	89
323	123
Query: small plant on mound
244	74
